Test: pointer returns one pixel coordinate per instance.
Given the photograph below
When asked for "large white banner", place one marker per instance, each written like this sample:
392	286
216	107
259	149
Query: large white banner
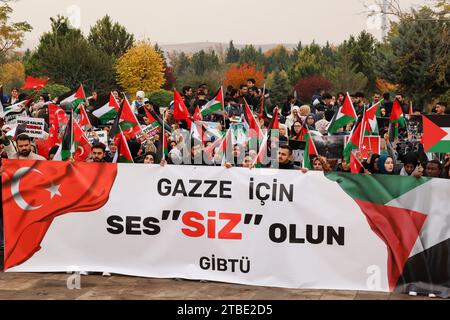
256	227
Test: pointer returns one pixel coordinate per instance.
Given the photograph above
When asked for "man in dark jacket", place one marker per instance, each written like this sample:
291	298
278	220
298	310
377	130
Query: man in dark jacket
285	157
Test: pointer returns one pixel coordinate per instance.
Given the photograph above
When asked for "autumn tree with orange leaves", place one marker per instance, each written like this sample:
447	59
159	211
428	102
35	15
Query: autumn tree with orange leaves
237	75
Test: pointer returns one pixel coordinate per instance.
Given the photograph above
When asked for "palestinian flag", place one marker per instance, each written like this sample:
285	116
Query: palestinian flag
410	224
129	124
65	150
197	132
260	159
15	108
397	119
310	151
345	115
123	154
152	122
436	133
214	105
354	142
108	112
255	132
75	144
76	99
370	120
225	147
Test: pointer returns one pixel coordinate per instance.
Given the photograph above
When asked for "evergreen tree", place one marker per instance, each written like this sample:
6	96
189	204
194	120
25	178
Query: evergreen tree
232	54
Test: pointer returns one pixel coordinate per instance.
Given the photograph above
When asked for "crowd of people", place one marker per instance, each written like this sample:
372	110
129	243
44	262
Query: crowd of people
403	156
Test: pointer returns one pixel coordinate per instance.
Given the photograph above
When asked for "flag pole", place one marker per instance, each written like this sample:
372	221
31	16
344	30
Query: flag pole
163	137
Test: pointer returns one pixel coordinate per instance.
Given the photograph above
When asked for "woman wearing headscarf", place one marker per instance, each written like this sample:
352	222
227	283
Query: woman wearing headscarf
311	121
294	116
385	164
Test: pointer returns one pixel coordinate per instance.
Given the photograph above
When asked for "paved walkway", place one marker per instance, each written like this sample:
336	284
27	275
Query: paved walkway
42	286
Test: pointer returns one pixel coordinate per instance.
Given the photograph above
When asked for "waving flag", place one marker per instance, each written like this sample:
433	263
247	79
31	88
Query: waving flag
345	115
34	83
216	104
108	112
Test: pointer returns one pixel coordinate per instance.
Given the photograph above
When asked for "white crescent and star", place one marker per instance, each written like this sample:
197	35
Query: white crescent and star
15	182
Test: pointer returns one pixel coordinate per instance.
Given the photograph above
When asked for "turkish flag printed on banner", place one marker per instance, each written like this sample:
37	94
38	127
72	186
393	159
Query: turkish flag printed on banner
36	192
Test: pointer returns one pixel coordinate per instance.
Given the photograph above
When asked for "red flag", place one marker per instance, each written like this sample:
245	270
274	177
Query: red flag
36	192
197	115
84	119
180	112
57	119
81	144
34	83
254	129
355	165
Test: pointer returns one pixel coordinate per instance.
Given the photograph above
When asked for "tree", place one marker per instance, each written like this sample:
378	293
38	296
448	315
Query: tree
278	83
277	59
169	78
180	63
416	56
11	34
308	86
140	68
232	55
12	75
249	55
65	56
344	75
203	62
362	50
161	98
310	61
111	38
237	75
56	90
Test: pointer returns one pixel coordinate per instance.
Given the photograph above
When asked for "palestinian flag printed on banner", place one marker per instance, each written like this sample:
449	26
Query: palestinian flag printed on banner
436	133
345	115
108	112
76	99
216	104
410	225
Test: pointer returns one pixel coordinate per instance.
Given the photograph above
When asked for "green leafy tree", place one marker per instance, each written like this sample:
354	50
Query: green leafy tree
203	62
65	56
362	50
232	54
249	55
278	83
278	58
416	56
344	75
310	61
111	38
11	34
161	97
180	63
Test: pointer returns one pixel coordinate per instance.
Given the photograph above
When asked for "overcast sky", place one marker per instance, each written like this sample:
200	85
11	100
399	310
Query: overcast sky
182	21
